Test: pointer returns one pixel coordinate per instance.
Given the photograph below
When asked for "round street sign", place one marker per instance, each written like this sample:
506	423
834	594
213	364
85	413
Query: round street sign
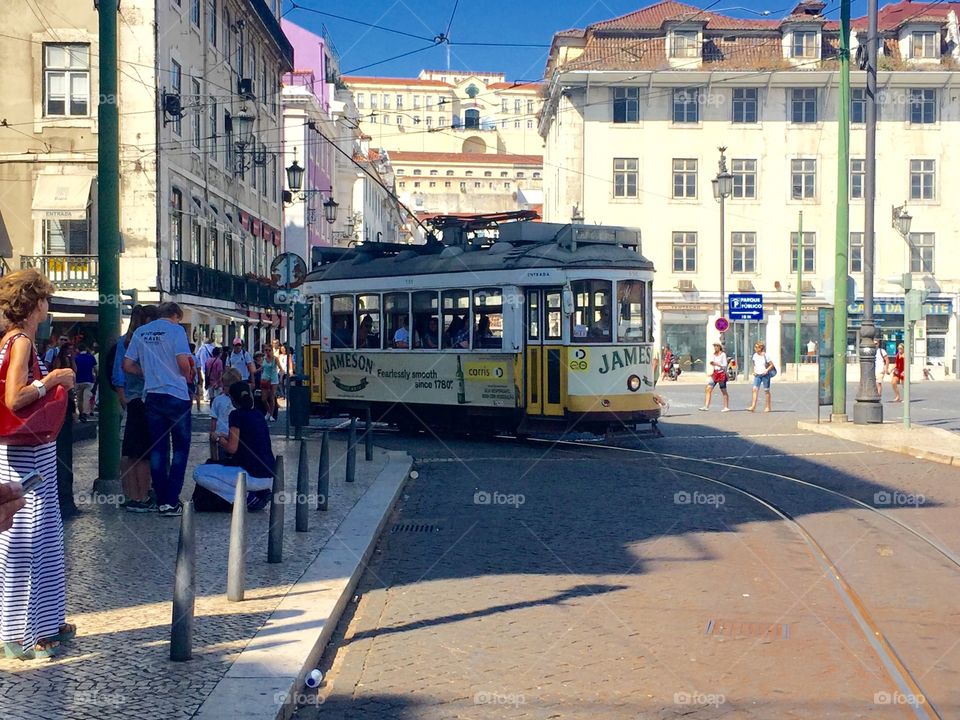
721	324
289	269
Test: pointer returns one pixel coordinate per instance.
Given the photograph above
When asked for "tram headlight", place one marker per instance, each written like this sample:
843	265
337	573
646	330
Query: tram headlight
633	383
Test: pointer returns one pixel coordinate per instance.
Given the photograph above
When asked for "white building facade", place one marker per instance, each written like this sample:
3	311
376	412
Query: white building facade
636	111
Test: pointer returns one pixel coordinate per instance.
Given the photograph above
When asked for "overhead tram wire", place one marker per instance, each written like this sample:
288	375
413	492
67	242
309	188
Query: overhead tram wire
295	6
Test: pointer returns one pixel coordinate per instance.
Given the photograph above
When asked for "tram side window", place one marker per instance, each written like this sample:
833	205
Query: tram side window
342	309
631	304
396	313
456	318
554	314
533	315
488	318
368	321
426	320
591	314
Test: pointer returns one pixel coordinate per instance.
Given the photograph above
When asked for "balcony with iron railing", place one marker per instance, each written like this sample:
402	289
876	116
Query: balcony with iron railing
192	279
66	272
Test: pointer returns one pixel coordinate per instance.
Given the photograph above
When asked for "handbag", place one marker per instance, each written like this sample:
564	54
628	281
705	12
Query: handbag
719	376
37	423
772	372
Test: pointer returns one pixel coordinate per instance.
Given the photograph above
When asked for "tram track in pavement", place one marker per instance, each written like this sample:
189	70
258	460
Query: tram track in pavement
908	684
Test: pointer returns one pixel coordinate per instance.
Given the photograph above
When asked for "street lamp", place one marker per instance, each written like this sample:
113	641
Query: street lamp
902	220
295	183
722	189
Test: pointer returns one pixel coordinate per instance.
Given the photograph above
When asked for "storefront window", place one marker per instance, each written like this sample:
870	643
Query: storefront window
631	304
687	341
368	321
488	315
396	308
809	333
342	309
591	315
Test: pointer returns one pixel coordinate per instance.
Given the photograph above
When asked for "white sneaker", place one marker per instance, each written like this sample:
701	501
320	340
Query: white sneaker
704	409
725	410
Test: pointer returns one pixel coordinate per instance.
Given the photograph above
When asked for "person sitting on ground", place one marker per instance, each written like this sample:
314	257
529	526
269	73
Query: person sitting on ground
248	445
220	410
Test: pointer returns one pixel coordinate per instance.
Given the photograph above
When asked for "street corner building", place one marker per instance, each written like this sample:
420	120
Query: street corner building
201	156
638	106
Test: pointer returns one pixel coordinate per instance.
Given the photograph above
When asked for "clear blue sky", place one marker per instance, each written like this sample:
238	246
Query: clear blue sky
501	21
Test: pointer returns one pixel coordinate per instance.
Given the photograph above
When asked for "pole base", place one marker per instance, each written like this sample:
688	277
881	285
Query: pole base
839	418
867	413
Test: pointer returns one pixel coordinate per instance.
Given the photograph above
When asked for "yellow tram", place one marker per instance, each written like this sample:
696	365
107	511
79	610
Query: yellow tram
546	327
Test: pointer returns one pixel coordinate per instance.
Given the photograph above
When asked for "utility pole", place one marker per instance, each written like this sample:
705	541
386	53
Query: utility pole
841	255
868	409
108	242
799	311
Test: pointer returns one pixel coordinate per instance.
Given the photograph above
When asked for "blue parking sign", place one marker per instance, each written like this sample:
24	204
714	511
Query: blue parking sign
745	306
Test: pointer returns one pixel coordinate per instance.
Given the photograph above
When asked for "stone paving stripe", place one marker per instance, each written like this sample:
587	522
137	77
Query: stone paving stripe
274	664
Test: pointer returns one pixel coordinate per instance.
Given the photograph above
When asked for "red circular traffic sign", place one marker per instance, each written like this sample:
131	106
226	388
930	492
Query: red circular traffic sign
721	324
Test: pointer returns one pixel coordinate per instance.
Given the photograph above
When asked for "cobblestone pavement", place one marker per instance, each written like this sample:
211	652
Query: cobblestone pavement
119	590
536	582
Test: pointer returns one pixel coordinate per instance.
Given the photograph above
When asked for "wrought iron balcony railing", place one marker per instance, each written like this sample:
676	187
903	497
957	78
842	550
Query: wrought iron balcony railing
66	272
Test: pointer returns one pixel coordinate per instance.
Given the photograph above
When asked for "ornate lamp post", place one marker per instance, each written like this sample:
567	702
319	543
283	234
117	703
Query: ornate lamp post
722	189
295	183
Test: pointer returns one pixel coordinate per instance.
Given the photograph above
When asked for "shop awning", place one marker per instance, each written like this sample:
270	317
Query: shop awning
61	197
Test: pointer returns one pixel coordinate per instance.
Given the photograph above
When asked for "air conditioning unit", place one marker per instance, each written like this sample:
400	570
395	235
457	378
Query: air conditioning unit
744	286
685	285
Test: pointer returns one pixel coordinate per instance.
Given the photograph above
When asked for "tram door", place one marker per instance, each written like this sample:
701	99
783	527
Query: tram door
544	351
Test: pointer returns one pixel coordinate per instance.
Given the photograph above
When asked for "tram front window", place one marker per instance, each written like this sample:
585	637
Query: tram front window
488	312
396	309
631	301
591	315
368	322
426	320
342	309
456	319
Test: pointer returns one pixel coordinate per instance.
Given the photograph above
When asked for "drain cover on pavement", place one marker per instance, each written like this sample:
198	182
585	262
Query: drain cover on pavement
415	527
741	629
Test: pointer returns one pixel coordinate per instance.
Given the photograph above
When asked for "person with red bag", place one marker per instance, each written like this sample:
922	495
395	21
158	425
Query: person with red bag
717	376
32	410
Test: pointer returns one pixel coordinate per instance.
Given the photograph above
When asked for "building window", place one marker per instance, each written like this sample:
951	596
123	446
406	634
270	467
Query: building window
804	44
212	139
686	108
373	101
529	124
858	106
536	176
923	178
402	184
625	177
442	120
434	172
433	184
399	102
520	175
803	179
923	106
516	124
809	252
450	173
517	104
744	178
921	252
360	101
478	184
857	175
212	31
745	105
66	237
176	84
176	224
386	101
924	45
684	252
429	120
626	104
66	80
416	102
195	13
803	105
429	99
684	44
856	252
463	187
684	178
487	173
195	120
447	184
399	119
504	106
416	184
743	255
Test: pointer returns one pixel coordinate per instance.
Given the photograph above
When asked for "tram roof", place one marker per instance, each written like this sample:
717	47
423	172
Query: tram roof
520	246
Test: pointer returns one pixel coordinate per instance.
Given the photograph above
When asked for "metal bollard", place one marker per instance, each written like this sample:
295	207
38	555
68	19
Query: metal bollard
184	589
323	480
275	533
368	438
352	451
303	488
236	560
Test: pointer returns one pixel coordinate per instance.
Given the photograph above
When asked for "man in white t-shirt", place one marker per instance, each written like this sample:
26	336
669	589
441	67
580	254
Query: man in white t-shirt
241	361
882	365
401	338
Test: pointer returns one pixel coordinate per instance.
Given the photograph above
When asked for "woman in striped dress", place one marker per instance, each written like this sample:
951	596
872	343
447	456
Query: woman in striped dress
32	582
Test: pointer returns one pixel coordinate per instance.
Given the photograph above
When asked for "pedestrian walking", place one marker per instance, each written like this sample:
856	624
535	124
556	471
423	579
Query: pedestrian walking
882	366
717	376
763	371
86	374
135	449
160	352
54	349
32	576
193	384
269	379
213	375
241	361
204	353
64	360
896	377
283	363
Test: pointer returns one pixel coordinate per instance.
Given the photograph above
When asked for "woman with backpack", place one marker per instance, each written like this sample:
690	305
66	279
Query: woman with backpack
763	371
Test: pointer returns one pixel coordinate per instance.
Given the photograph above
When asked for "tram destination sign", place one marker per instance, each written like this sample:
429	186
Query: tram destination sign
745	306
